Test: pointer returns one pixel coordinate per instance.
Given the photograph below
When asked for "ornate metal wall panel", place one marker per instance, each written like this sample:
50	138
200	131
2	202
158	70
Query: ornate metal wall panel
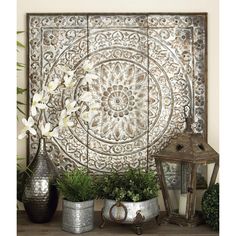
149	65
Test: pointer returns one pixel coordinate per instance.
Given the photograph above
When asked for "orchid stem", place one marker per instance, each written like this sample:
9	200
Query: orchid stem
39	119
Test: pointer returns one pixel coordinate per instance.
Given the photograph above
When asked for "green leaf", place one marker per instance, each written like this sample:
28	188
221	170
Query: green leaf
20	64
133	185
19	109
19	32
21	90
19	44
20	158
20	103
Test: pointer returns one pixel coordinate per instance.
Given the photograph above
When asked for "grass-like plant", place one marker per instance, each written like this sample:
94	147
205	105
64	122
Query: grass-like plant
133	185
19	67
76	186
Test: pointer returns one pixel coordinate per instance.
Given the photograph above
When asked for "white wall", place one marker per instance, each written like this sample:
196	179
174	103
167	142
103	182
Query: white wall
210	6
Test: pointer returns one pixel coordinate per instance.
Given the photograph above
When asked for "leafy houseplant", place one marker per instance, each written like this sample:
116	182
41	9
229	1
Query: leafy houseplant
134	185
210	206
130	198
78	190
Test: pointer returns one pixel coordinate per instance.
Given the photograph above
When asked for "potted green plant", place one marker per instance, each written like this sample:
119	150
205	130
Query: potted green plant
130	198
210	206
78	190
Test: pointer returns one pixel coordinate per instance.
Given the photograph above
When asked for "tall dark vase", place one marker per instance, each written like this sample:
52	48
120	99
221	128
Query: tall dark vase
40	195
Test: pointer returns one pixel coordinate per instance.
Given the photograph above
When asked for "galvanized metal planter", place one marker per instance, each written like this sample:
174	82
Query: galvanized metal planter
130	212
78	217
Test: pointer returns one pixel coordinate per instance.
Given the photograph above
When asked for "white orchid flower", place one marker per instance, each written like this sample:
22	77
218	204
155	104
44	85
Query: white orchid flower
28	126
46	131
89	78
54	133
39	102
88	115
87	66
52	85
66	70
70	107
69	82
64	120
94	106
86	97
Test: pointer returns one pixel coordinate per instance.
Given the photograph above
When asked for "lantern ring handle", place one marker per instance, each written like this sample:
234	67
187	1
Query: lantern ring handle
113	218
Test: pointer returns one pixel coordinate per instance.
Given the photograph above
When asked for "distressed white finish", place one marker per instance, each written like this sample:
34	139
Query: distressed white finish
149	67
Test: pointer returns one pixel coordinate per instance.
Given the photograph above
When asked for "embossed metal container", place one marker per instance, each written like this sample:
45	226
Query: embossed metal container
40	195
130	212
78	217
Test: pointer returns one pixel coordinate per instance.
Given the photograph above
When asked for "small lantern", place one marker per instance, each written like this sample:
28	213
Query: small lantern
189	150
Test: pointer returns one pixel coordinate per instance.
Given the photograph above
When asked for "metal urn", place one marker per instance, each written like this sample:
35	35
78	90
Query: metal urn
78	217
40	195
130	212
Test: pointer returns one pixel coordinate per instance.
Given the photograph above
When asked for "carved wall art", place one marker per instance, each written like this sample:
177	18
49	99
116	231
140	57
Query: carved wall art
150	66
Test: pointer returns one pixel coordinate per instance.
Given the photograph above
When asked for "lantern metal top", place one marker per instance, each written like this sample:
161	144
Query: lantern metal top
188	147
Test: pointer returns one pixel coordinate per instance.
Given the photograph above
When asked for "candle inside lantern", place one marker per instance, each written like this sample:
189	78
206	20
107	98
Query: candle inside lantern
182	203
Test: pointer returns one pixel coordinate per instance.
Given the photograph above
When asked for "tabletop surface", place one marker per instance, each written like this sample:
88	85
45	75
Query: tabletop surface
53	228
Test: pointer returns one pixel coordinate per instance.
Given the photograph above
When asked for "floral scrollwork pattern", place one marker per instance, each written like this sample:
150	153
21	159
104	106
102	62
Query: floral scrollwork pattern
149	66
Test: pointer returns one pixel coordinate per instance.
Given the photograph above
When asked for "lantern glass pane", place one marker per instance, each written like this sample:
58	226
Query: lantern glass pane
178	194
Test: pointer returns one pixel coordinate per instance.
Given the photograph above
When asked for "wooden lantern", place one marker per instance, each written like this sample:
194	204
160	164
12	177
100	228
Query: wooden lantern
189	150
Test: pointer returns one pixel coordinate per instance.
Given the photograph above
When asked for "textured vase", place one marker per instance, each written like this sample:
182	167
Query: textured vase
40	195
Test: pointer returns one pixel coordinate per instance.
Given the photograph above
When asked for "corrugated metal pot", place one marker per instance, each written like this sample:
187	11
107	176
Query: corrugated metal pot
130	212
78	217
